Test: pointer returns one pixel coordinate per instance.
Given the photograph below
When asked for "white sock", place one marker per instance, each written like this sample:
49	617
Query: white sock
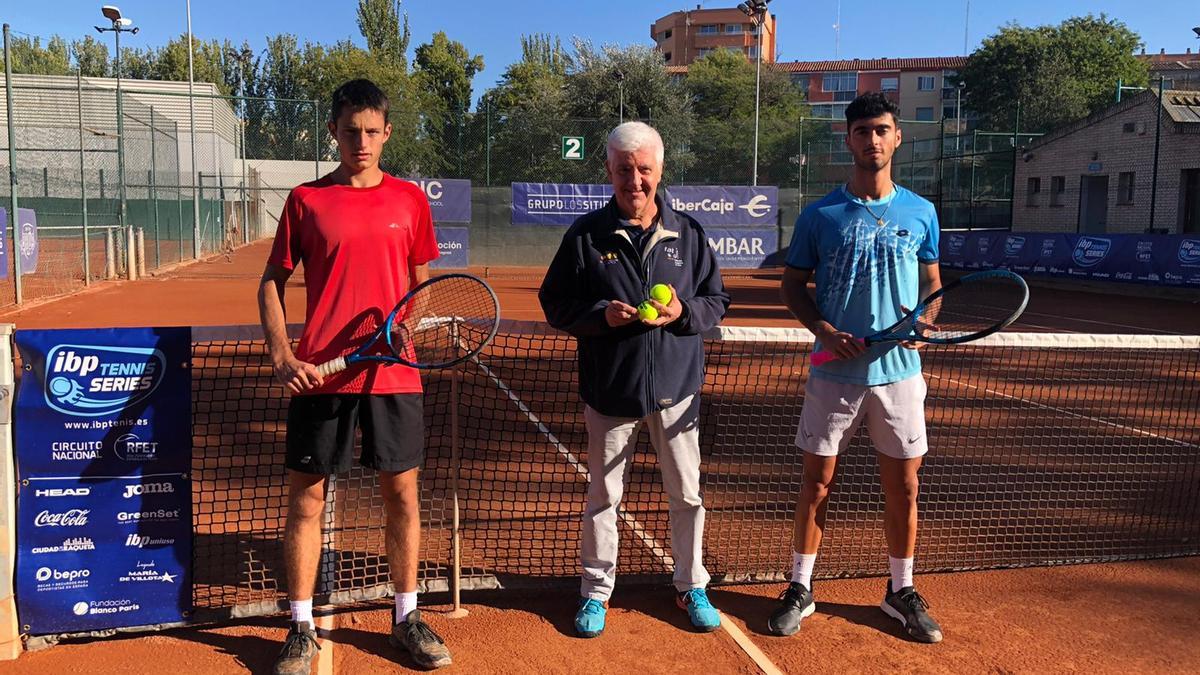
802	568
302	612
405	603
902	572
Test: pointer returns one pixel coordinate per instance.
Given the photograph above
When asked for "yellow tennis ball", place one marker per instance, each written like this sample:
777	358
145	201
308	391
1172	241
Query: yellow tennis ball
661	293
646	311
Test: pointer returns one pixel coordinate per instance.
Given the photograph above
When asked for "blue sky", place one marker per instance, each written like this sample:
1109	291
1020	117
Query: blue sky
870	28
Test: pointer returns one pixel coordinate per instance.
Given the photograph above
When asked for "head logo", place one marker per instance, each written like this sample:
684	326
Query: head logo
955	243
1013	245
757	207
90	380
1189	251
63	492
133	449
1090	250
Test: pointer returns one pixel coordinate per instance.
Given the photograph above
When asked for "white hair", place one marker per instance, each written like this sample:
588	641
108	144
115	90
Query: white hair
633	136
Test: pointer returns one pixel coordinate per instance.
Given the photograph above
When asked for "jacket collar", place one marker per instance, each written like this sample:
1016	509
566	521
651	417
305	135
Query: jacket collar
668	219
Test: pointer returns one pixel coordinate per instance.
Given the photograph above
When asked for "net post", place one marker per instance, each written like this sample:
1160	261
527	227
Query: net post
140	237
458	610
10	635
110	264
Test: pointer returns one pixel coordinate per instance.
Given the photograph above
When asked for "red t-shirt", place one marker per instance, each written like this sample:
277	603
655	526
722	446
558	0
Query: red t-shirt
358	246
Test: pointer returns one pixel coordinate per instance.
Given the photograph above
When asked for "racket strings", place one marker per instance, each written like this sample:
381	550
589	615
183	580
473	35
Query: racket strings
446	321
971	308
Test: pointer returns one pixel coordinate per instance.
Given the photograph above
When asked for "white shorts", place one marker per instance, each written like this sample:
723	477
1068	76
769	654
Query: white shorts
833	411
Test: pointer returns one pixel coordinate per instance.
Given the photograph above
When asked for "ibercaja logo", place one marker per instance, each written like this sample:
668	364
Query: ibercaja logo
91	380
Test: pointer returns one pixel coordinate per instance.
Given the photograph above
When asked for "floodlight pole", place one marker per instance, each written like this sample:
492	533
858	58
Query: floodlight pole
12	175
756	10
192	136
1157	132
119	26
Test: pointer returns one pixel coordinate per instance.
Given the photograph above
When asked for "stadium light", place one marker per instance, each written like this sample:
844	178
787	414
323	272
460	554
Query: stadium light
1196	30
757	11
120	25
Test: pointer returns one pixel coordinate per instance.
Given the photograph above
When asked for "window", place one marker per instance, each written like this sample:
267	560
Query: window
801	80
840	82
889	84
925	83
703	52
829	111
1058	185
667	57
734	28
710	29
948	112
924	114
838	152
846	96
1125	187
1032	190
667	34
752	53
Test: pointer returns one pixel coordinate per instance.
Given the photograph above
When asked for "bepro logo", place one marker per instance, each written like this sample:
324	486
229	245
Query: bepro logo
1090	250
90	380
1013	245
757	207
1189	251
148	489
48	573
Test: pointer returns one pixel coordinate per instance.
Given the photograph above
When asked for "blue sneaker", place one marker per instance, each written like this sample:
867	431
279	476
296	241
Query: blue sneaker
703	615
589	620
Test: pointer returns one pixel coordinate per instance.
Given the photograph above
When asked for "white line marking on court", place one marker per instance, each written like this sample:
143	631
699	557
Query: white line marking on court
656	548
325	655
1044	406
756	655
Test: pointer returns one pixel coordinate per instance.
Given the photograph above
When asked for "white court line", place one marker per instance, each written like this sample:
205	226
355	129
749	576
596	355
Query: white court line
660	551
325	655
1035	404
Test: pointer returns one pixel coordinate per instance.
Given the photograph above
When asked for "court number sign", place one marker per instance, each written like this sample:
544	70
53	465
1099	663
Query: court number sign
572	147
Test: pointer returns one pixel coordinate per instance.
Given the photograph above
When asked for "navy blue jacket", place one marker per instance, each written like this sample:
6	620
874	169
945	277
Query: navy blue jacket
633	370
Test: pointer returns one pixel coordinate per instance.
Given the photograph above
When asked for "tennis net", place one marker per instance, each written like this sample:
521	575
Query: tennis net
1045	449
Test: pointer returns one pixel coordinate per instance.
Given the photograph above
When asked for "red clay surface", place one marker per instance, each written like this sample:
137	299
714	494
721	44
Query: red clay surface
1128	617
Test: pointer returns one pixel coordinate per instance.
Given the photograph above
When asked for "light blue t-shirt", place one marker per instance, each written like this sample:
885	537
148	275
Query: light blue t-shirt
865	271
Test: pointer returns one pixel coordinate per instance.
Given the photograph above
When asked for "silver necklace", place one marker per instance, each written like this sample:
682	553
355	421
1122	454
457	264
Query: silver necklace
879	218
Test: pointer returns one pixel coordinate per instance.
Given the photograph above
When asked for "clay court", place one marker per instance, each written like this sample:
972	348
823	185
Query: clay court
1135	616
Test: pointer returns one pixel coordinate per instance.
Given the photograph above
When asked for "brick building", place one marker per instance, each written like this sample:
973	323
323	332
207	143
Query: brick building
1095	175
685	36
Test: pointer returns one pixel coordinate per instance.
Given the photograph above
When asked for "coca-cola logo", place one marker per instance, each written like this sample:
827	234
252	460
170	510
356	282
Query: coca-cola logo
72	518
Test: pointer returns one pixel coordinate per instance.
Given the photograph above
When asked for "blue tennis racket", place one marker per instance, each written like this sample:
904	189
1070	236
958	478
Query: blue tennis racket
968	308
440	323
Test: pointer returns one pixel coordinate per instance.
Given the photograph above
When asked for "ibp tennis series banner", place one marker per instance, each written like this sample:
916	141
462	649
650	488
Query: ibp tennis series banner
1167	260
103	447
25	234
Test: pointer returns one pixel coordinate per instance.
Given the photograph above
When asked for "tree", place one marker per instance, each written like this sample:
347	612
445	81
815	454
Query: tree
443	71
597	83
30	57
91	57
722	85
1058	73
386	35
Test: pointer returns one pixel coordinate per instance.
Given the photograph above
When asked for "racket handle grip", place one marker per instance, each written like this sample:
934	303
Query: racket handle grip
823	357
330	367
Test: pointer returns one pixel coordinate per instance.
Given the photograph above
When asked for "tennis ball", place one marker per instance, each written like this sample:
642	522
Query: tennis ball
661	293
646	311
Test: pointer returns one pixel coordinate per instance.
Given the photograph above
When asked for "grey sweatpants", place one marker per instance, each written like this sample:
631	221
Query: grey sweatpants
675	435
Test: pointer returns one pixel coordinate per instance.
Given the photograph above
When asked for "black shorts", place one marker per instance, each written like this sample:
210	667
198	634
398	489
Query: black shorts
320	432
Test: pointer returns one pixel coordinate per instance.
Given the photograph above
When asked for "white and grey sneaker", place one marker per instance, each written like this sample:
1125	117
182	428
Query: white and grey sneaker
795	603
908	607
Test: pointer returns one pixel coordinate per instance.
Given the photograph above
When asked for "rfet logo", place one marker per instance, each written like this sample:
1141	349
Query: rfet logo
1047	248
1090	250
1189	251
1013	245
1145	251
91	380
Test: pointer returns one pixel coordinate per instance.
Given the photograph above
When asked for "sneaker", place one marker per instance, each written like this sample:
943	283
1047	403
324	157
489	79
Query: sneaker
908	607
795	603
298	651
416	637
589	620
703	615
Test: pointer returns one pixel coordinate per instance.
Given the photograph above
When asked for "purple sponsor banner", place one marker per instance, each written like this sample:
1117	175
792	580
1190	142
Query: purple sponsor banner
3	243
449	198
26	236
1169	260
453	247
556	203
726	204
742	247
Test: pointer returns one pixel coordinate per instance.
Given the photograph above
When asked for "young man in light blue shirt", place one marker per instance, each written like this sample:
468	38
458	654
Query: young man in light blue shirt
871	247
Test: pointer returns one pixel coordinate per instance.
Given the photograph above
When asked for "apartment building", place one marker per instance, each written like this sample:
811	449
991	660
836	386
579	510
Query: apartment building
687	35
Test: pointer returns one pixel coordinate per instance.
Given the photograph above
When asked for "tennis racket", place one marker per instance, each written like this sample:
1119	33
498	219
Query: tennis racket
965	309
442	322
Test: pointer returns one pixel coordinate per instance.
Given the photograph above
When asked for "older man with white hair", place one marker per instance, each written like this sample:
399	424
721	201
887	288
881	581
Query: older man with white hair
636	369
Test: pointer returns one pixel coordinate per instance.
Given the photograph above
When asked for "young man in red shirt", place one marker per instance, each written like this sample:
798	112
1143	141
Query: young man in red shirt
365	239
